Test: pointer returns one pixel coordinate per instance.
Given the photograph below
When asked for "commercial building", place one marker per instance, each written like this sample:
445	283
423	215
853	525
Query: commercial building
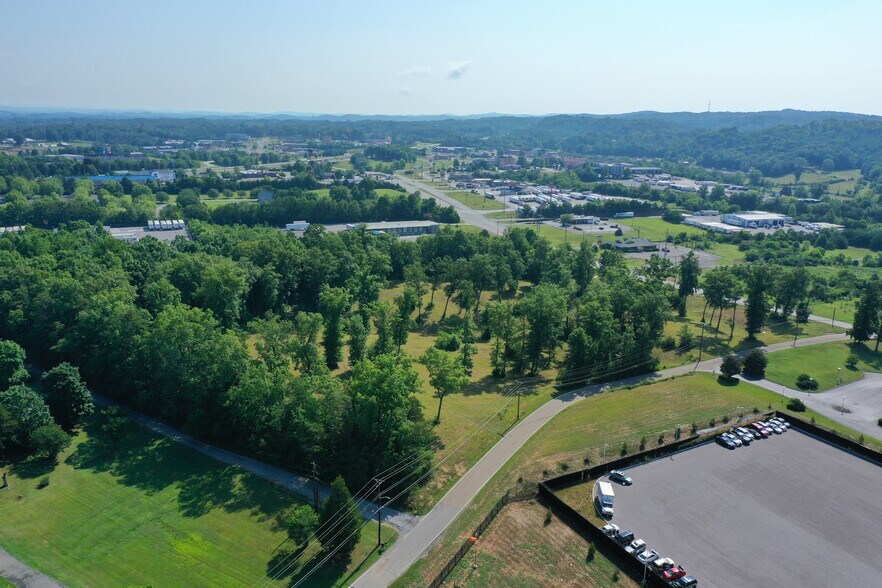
583	220
400	228
755	219
704	222
297	226
638	245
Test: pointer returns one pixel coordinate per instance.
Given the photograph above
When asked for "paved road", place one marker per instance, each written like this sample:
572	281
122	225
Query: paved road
863	402
401	522
468	215
21	575
415	544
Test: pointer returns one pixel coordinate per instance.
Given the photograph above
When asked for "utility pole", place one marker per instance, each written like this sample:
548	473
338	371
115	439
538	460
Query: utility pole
315	494
380	499
519	402
795	334
833	320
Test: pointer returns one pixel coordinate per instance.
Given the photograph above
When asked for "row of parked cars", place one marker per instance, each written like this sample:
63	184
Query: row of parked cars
674	574
758	430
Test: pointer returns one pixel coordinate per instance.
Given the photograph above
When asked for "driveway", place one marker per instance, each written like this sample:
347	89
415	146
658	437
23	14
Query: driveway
21	575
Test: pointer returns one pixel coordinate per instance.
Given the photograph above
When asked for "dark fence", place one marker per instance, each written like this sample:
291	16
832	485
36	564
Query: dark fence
603	543
467	544
833	438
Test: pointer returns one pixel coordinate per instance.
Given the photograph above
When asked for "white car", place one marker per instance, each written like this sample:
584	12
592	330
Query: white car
662	563
610	530
774	427
781	423
648	556
636	546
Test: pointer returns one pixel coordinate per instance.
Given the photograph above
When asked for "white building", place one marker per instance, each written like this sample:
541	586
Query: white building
755	219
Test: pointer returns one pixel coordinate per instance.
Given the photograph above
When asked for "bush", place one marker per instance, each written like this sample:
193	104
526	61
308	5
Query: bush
661	439
755	363
591	551
619	233
730	367
624	450
548	517
796	405
667	343
879	422
49	440
687	339
44	481
642	443
448	341
851	361
713	422
806	382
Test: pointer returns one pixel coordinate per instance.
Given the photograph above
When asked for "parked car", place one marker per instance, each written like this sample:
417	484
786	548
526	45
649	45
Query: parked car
759	430
662	563
743	431
780	422
624	537
745	438
610	530
734	439
685	582
648	556
725	442
674	573
773	427
620	477
636	546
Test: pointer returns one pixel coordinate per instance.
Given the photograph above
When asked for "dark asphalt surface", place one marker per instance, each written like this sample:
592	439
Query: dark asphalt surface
785	511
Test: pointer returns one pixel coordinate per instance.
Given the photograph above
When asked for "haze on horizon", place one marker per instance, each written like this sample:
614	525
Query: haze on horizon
403	59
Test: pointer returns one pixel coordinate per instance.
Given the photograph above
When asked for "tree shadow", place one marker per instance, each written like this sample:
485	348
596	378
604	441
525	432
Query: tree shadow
153	464
30	468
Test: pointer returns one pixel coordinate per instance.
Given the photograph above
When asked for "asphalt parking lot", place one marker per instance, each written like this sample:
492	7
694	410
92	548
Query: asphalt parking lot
789	510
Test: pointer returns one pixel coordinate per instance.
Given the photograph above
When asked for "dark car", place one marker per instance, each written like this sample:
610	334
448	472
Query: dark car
685	582
725	442
624	537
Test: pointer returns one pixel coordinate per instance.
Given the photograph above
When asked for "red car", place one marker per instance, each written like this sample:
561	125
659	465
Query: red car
764	432
674	573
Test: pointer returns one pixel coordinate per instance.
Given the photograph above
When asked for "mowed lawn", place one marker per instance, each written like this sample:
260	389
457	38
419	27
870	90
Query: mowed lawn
845	310
718	342
824	363
143	510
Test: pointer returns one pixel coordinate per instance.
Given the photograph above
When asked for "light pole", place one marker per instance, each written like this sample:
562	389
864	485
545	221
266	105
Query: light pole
700	346
838	376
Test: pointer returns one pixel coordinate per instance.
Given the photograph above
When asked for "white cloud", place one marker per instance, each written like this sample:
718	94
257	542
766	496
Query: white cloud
453	70
417	71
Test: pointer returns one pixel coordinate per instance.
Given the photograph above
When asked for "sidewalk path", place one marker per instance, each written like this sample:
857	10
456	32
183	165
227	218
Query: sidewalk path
394	562
21	575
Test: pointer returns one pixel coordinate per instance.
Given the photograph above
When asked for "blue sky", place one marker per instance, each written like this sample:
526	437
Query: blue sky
396	57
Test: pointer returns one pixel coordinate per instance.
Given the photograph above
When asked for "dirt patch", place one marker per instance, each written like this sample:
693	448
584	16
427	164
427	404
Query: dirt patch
522	548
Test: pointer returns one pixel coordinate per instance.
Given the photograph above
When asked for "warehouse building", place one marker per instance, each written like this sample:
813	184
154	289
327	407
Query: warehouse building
755	219
400	228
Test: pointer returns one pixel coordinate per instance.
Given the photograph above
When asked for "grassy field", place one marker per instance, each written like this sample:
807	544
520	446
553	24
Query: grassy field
475	201
653	228
845	309
815	177
729	254
216	202
618	416
718	343
551	554
824	363
143	510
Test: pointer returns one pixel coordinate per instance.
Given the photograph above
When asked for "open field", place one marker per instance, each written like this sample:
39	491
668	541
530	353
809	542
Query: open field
475	201
550	554
718	343
815	502
845	309
142	510
614	417
216	202
815	177
824	363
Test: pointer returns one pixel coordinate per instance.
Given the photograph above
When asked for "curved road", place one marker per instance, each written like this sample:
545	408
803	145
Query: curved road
415	544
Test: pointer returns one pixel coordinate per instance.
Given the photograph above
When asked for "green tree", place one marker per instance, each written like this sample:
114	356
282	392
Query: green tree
305	349
759	282
27	409
501	323
402	323
334	303
160	294
446	375
584	266
730	367
222	288
755	363
689	273
8	427
358	334
866	316
467	349
273	341
67	396
49	440
300	523
382	312
685	338
12	366
657	269
341	511
544	309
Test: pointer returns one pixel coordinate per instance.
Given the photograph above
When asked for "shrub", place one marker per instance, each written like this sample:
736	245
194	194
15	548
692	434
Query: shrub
642	443
694	428
615	577
49	441
667	343
796	405
755	363
619	233
713	422
624	450
564	466
448	341
861	439
44	481
687	340
725	418
879	422
548	517
806	382
852	360
661	439
591	551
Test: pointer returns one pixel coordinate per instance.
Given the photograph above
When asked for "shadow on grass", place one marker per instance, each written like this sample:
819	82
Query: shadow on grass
30	468
728	382
153	464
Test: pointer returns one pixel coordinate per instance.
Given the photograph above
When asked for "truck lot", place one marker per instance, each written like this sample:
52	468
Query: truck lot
789	510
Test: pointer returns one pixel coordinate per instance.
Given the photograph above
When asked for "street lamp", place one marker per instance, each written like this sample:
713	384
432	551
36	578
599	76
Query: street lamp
838	376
